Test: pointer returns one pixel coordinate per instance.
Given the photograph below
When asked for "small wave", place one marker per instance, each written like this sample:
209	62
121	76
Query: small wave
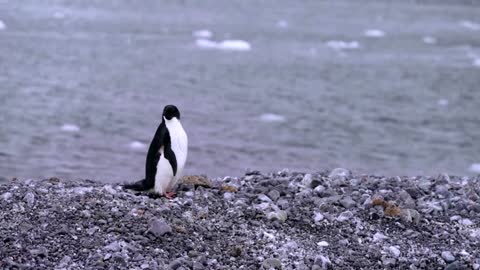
374	33
226	45
475	167
282	24
271	117
342	45
470	25
137	145
204	33
3	26
70	128
429	40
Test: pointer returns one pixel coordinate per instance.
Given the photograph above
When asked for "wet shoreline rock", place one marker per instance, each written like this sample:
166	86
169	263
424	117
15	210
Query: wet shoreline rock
282	220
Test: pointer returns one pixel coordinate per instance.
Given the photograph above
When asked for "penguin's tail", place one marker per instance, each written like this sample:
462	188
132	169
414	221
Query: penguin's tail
137	186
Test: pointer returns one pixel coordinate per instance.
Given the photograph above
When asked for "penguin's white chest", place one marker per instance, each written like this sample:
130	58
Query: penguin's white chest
165	179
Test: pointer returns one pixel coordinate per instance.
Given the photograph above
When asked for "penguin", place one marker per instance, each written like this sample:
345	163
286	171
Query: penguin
166	156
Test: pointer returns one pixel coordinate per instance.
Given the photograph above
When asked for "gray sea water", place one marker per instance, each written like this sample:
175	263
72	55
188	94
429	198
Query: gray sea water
83	85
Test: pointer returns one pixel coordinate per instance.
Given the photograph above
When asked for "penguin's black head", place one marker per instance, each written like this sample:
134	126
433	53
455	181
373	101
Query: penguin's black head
171	111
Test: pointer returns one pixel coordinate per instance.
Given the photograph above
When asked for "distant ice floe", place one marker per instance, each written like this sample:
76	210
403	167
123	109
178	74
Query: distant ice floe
429	40
475	168
226	45
3	26
342	45
136	145
70	128
282	24
271	117
374	33
476	62
442	102
470	25
58	15
204	33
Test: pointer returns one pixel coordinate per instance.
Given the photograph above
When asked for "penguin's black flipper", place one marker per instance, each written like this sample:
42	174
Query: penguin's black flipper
138	186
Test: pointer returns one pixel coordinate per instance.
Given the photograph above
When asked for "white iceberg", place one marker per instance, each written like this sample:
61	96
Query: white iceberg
342	45
476	62
136	145
271	117
282	24
374	33
204	33
70	128
429	40
442	102
475	168
470	25
3	26
234	45
58	15
226	45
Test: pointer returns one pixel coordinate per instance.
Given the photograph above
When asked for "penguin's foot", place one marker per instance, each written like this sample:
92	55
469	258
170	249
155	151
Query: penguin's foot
170	195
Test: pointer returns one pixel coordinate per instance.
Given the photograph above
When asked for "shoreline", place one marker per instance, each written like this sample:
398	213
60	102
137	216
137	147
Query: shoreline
281	220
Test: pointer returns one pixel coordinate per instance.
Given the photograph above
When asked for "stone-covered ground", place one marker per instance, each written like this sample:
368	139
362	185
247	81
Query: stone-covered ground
283	220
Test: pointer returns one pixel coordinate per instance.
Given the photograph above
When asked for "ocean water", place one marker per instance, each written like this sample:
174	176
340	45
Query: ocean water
380	87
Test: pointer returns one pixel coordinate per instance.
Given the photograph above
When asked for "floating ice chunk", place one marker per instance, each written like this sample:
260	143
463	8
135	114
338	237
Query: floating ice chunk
470	25
476	62
3	26
442	102
206	44
429	40
342	45
137	145
282	24
374	33
202	33
271	117
70	128
226	45
475	167
58	15
234	45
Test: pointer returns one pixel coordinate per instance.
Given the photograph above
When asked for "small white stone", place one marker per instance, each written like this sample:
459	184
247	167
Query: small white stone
109	189
323	244
466	222
317	217
7	196
448	256
394	251
378	237
344	216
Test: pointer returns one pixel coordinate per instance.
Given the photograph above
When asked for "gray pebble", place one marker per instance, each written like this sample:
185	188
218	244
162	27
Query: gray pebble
159	227
271	263
344	216
347	202
448	256
274	194
29	198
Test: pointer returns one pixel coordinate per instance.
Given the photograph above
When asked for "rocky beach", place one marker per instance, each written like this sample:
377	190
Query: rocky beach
283	220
